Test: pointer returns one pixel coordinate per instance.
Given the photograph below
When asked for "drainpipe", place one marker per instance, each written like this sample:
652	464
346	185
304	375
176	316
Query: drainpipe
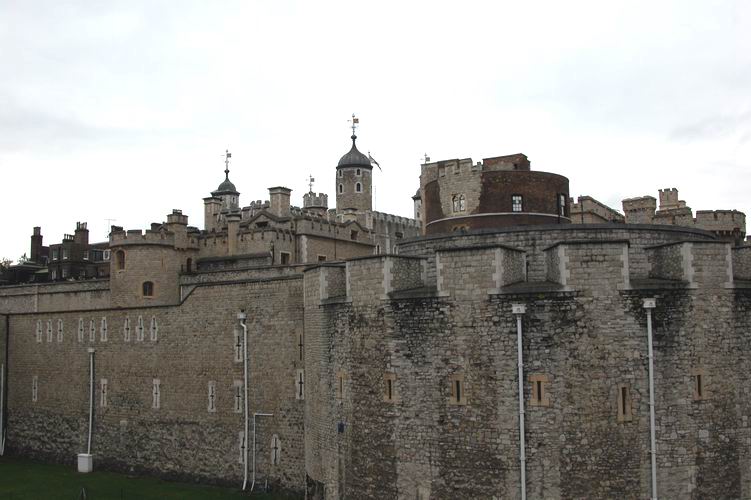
518	310
649	304
91	396
253	483
2	386
242	316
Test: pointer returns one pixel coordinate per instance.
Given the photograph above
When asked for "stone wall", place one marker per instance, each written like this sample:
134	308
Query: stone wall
190	346
90	294
742	263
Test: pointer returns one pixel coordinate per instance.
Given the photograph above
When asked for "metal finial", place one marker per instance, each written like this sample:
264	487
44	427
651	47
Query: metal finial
311	180
427	158
227	156
355	121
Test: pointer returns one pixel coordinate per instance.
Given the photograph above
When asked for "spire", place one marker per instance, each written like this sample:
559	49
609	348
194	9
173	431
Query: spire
355	122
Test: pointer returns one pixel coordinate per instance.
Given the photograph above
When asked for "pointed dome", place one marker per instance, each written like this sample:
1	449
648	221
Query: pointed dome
354	158
226	187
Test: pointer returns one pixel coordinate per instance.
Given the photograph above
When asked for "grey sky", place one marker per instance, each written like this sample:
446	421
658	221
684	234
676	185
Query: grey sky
123	109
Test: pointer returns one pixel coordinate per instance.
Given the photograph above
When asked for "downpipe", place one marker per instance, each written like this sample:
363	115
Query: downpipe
2	386
649	304
242	317
519	310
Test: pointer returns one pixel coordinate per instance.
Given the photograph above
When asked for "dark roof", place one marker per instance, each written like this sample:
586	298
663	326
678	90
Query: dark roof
226	187
354	157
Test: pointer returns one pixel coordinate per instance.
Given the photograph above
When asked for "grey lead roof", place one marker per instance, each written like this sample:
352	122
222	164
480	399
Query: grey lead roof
354	157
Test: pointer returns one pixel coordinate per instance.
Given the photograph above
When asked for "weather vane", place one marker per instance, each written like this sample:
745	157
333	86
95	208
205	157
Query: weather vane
227	156
311	180
355	121
427	158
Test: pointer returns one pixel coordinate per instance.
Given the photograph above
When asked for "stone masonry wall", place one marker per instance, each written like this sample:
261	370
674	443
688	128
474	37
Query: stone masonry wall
191	346
55	296
742	263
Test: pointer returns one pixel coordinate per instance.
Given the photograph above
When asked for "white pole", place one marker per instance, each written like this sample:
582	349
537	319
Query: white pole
2	408
519	310
241	316
649	304
91	396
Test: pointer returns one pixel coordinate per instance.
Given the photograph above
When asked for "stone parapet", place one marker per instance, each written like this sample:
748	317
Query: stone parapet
374	278
697	263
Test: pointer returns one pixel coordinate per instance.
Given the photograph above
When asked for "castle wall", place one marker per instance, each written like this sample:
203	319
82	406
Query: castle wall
192	345
55	296
533	241
742	263
585	344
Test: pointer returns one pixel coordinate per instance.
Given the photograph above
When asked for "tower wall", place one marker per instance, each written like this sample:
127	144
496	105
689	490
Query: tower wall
347	179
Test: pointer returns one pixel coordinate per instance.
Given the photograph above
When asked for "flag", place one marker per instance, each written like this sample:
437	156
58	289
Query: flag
372	160
355	120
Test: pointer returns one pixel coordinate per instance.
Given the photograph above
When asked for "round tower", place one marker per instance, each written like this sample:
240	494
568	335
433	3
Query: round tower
354	180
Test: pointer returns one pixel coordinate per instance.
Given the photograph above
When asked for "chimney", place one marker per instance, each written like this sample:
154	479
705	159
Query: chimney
81	236
36	245
233	226
279	201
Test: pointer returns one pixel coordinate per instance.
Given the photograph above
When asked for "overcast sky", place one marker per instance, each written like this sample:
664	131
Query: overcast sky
122	110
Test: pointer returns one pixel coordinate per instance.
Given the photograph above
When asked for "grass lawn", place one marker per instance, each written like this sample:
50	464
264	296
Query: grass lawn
22	480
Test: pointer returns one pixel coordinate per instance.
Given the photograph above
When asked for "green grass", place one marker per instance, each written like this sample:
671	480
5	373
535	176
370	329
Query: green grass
25	480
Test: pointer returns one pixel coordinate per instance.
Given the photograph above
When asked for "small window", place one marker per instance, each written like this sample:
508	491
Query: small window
189	266
34	388
516	203
126	329
103	330
399	235
321	258
276	449
103	393
156	394
457	389
212	397
64	272
358	188
55	254
262	224
562	205
139	329
85	255
106	255
120	260
340	384
49	330
624	403
341	188
148	288
341	174
539	390
92	331
284	258
300	385
66	254
353	235
358	172
39	331
59	330
238	396
80	329
241	446
699	379
389	387
154	329
238	345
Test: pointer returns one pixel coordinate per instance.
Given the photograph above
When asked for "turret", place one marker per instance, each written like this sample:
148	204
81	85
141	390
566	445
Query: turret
354	177
226	198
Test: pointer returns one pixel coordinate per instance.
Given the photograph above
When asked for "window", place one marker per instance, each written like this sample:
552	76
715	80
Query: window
238	396
241	446
300	385
389	387
34	388
341	173
39	331
441	171
539	390
339	384
154	329
699	379
262	224
624	403
358	172
399	235
238	345
59	330
455	203
462	203
516	203
212	397
301	346
103	330
276	449
353	235
49	330
92	331
457	389
341	188
106	255
358	188
66	254
55	254
120	260
85	255
156	394
126	329
139	329
321	258
80	329
189	266
64	272
562	205
284	258
103	393
53	274
148	288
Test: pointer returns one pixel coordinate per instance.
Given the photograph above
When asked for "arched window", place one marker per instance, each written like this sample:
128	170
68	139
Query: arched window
341	189
455	203
462	203
120	260
358	188
148	288
358	172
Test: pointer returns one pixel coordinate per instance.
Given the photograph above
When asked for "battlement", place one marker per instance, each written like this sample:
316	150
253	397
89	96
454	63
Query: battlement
395	219
375	277
466	273
718	220
697	263
139	237
595	267
313	200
